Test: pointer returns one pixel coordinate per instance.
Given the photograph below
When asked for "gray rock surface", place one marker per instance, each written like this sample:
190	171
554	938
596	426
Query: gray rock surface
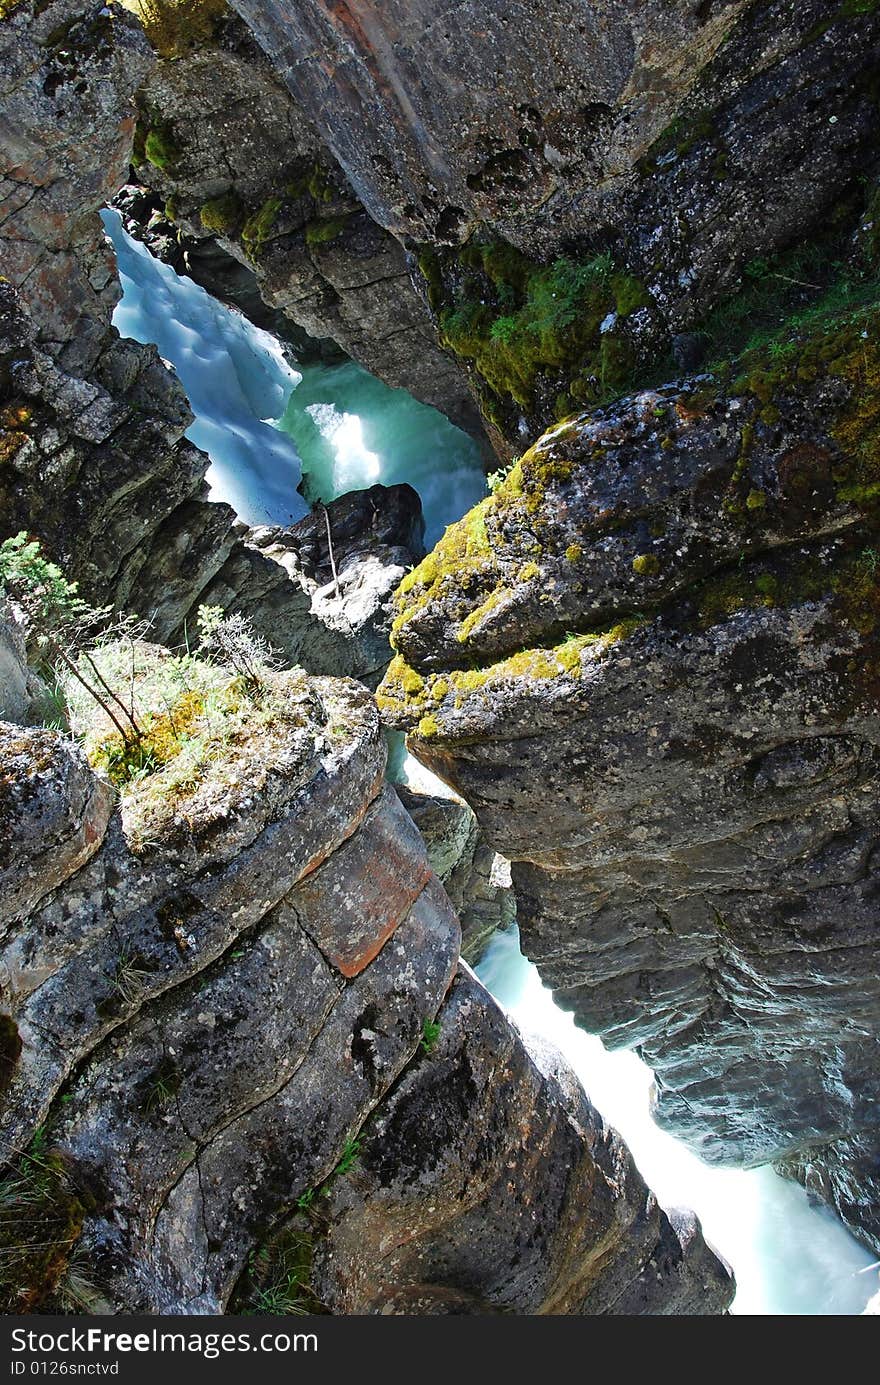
245	163
682	145
208	1010
503	1242
476	878
648	662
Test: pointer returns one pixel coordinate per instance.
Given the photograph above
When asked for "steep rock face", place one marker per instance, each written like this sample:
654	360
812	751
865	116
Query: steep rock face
539	1226
584	186
476	878
234	156
439	118
203	1008
649	663
91	426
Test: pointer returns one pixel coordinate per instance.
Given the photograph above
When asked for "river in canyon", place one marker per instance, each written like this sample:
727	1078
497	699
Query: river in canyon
270	425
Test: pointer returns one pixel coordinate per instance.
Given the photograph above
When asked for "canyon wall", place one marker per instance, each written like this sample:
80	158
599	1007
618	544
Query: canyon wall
234	157
649	663
581	186
210	990
92	426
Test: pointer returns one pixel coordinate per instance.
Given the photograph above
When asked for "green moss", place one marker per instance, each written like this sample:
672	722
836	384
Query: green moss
160	147
319	232
311	180
478	615
222	215
574	552
646	564
457	685
522	325
461	555
160	742
257	230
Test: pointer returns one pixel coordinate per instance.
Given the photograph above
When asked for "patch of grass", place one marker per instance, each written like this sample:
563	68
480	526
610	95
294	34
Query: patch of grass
349	1157
517	322
41	1219
277	1282
199	722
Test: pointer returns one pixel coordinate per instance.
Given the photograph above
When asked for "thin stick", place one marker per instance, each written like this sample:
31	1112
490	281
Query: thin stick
69	664
110	693
330	549
802	283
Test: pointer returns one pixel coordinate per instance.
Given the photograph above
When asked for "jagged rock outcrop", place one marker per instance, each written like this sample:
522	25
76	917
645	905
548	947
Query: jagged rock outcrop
582	188
476	878
205	1002
91	426
649	663
234	156
348	583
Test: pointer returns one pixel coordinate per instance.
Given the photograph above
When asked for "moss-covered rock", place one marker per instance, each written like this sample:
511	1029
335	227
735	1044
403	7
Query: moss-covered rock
650	661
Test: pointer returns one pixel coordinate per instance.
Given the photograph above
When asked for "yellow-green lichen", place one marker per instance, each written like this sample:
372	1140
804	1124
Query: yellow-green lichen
450	690
646	564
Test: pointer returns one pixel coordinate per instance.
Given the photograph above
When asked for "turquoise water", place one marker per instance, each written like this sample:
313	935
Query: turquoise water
267	423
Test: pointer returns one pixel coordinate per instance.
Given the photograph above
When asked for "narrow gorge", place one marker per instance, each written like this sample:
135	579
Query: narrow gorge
505	378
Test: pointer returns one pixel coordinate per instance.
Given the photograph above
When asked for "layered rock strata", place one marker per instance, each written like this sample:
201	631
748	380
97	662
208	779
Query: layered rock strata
649	663
208	993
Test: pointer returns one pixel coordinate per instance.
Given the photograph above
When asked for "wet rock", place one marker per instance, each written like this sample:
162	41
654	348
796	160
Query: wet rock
474	876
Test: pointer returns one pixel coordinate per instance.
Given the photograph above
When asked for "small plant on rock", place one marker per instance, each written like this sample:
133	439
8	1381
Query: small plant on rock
62	627
232	641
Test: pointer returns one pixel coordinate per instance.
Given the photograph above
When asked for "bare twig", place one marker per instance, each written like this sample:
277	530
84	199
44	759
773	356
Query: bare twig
330	549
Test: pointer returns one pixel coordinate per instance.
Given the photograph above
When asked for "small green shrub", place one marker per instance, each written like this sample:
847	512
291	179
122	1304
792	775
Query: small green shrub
431	1031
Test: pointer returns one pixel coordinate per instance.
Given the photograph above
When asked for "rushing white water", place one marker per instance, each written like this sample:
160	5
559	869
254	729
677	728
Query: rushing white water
265	423
788	1257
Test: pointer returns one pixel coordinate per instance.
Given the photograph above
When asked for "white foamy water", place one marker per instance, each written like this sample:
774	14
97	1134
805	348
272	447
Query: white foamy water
788	1256
265	422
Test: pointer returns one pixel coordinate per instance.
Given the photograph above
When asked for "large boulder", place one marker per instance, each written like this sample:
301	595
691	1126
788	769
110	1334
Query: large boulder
201	1018
649	662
